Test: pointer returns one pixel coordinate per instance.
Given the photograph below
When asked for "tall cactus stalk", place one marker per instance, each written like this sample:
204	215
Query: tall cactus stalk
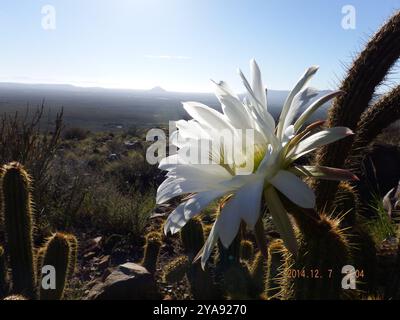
58	253
378	117
18	212
366	73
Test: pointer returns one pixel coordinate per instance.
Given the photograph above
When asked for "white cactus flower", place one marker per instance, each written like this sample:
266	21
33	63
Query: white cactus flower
275	149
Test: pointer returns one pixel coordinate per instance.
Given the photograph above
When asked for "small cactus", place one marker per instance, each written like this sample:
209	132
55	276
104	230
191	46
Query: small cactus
323	251
152	251
58	253
201	281
18	216
258	273
192	237
3	274
237	282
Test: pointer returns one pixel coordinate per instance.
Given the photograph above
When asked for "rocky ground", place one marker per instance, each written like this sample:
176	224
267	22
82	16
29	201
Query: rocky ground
99	256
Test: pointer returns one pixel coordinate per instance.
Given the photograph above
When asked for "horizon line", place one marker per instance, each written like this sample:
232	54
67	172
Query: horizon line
121	88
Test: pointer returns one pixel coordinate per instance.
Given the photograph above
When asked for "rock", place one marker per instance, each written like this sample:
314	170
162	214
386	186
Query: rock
128	281
130	267
112	157
89	255
133	145
93	244
110	242
103	262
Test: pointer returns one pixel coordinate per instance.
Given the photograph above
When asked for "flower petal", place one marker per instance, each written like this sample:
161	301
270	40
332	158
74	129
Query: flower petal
191	179
246	202
295	189
281	220
317	140
324	173
207	116
208	247
232	107
229	222
263	117
189	209
314	107
300	101
288	103
257	84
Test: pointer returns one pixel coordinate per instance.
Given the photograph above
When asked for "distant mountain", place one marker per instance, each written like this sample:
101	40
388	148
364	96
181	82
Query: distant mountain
98	108
157	90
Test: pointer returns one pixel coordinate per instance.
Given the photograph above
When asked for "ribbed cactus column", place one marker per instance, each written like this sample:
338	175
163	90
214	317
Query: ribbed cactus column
58	253
366	73
17	211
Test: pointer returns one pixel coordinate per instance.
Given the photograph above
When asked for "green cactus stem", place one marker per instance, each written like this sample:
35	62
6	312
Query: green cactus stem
18	216
4	285
176	269
152	251
58	254
192	237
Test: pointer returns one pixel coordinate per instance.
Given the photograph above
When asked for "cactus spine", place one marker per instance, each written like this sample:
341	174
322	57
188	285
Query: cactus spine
73	244
276	259
152	251
58	253
345	204
18	212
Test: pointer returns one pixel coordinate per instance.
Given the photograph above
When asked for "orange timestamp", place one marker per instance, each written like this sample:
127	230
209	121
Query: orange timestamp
317	273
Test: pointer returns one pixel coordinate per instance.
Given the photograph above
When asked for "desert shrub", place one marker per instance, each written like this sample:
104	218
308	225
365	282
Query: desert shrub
89	192
111	211
32	141
75	133
133	171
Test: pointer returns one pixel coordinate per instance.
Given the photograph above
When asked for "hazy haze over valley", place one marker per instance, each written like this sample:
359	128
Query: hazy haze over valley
99	109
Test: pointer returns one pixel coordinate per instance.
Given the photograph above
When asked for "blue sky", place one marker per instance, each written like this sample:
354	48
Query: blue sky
181	44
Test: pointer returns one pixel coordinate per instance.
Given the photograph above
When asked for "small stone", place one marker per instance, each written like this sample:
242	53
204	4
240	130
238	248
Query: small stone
129	281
